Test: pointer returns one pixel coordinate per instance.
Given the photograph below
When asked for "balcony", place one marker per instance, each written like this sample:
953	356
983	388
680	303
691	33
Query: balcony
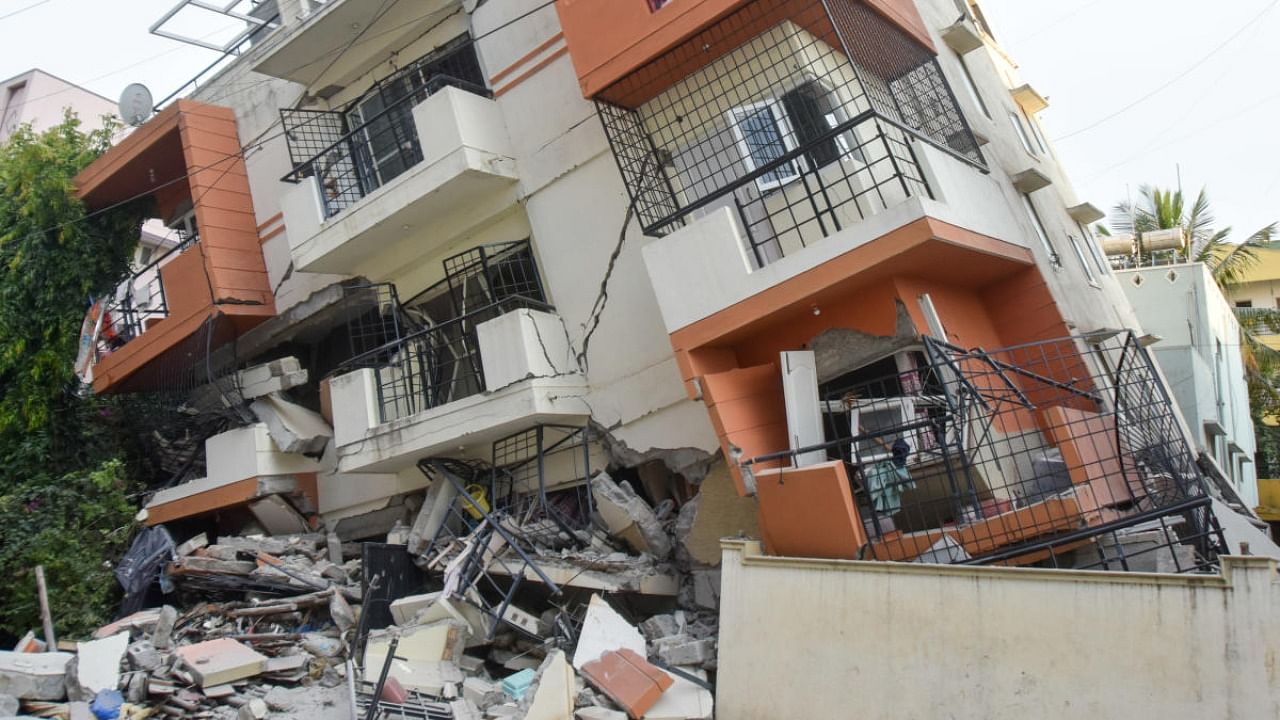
208	289
316	31
803	118
462	384
1259	321
426	169
609	39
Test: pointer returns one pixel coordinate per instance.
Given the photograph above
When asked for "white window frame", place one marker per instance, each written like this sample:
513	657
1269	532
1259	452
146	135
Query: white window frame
1084	262
1021	130
786	135
1104	267
1041	231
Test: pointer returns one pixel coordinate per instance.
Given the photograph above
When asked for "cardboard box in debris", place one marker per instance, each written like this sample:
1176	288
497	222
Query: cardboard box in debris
469	611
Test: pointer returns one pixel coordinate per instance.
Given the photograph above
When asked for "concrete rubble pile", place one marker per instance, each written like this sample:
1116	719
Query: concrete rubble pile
515	616
279	647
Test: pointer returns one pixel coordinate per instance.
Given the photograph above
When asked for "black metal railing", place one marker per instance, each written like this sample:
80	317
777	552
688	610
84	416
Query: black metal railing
436	365
139	301
802	116
351	162
1067	453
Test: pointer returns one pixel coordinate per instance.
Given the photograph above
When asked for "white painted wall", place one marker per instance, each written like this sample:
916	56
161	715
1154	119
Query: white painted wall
1200	355
829	639
1084	305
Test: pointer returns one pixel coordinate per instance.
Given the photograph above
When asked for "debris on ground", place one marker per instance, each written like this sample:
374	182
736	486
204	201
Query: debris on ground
579	603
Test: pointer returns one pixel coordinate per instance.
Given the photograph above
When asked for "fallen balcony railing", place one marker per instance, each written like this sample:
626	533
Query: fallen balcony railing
349	165
1065	453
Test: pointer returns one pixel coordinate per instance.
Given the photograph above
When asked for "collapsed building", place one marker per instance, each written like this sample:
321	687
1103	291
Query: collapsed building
543	305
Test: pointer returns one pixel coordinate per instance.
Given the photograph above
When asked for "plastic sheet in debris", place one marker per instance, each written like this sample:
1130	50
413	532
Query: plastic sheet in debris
142	564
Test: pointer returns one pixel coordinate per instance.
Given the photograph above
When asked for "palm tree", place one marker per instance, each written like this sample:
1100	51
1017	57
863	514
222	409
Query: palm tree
1162	209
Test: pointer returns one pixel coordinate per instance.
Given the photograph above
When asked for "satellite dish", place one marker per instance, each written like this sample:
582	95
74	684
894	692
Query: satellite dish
135	104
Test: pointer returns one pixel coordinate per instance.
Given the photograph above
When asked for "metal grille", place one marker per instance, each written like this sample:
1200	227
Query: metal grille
374	140
1066	452
381	326
492	273
528	463
798	115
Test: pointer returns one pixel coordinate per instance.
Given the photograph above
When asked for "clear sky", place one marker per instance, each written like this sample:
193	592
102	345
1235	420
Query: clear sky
1217	63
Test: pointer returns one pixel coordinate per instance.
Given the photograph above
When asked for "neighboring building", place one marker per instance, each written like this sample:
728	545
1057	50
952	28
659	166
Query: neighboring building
760	246
38	98
1258	290
1199	351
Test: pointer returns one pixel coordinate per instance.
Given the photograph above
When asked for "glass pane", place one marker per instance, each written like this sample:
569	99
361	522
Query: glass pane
764	142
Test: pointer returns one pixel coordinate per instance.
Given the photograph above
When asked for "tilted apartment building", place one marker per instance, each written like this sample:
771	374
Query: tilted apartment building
816	253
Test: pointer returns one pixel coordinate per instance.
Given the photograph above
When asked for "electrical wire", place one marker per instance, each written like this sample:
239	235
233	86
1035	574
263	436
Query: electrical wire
1139	100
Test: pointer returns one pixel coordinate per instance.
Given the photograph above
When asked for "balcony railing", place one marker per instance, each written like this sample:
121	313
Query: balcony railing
1067	451
434	366
800	115
139	302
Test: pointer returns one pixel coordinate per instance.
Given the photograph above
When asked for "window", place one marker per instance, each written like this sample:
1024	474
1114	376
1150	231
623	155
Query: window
1244	303
1035	132
1040	231
1095	249
762	133
800	118
388	142
655	5
1022	131
971	86
1084	262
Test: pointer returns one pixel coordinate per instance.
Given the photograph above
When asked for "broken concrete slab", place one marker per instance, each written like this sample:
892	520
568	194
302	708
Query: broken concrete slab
603	630
97	666
190	546
271	377
706	588
599	713
482	692
143	620
628	679
217	662
162	632
255	709
626	515
8	706
684	700
684	650
551	696
432	515
277	516
464	709
143	656
716	512
660	626
34	676
293	428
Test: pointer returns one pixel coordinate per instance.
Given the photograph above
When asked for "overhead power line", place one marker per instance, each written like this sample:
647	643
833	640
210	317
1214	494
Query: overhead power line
1137	101
19	11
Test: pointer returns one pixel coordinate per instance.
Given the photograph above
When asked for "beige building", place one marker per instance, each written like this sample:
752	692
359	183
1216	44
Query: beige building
38	98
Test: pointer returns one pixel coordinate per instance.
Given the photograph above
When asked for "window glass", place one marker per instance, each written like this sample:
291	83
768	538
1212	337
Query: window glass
761	136
1095	249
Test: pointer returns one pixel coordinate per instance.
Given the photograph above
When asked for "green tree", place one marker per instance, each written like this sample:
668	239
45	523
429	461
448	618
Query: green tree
64	495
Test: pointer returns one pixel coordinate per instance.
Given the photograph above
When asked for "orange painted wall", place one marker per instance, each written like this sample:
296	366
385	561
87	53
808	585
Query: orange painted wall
809	512
224	272
609	40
